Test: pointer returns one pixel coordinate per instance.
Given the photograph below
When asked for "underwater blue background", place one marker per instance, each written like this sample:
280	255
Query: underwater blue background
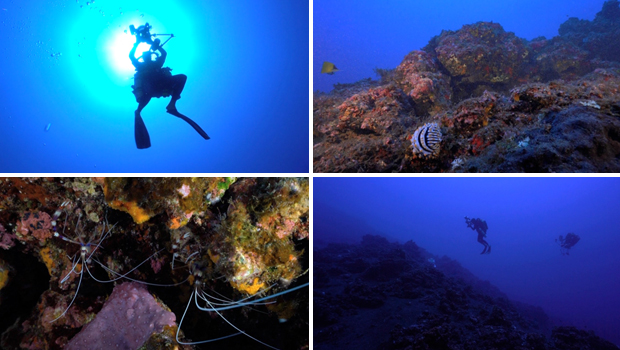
65	63
524	215
358	36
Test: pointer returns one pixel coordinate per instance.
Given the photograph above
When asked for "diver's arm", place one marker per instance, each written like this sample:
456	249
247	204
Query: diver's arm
132	54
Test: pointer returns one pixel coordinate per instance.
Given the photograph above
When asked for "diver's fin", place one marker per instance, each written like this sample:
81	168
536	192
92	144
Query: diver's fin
196	127
489	251
142	135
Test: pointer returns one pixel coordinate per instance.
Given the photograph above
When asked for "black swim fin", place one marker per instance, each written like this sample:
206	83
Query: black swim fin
196	127
142	135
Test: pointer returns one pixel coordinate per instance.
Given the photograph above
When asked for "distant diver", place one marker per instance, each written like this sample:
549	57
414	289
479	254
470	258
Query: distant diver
481	227
154	80
329	68
567	242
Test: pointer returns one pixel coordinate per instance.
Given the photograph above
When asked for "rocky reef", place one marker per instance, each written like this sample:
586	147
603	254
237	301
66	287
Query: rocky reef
225	238
504	104
382	295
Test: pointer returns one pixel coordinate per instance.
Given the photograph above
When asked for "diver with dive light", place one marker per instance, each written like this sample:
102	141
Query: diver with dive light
152	79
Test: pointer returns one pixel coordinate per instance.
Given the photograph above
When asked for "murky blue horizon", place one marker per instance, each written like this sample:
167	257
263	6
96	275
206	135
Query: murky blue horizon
524	216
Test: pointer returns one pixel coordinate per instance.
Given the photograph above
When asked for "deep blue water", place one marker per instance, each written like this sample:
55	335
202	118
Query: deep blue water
524	215
65	64
358	36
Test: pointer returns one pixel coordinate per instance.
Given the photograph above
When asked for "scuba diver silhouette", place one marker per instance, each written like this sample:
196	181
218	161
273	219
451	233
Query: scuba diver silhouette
567	243
154	80
481	227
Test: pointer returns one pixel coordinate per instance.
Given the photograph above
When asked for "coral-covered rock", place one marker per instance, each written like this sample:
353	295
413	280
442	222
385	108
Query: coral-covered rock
595	36
34	226
255	241
374	111
471	114
369	133
364	296
497	317
480	53
179	198
562	59
385	270
424	307
571	338
421	79
587	138
534	97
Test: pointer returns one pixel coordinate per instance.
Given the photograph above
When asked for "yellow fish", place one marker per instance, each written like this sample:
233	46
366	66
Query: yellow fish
329	68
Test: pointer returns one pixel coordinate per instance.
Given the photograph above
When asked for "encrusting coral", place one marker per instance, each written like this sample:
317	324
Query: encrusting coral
487	90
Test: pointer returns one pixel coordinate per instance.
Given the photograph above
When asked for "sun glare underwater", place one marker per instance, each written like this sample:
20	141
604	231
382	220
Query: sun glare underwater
67	80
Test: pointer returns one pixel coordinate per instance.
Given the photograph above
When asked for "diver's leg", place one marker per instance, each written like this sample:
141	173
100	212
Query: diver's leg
487	246
141	134
481	241
177	83
142	104
196	127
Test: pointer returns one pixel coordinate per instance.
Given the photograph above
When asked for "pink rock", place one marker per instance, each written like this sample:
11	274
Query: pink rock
126	321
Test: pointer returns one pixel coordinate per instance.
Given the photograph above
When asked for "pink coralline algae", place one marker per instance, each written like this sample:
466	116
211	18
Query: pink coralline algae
373	111
126	321
423	81
285	230
157	264
6	239
184	190
35	224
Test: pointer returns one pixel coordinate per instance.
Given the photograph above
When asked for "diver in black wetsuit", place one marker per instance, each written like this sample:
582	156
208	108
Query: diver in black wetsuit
157	81
154	80
481	227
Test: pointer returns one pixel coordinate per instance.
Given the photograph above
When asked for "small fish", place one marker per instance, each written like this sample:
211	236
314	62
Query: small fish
47	128
329	68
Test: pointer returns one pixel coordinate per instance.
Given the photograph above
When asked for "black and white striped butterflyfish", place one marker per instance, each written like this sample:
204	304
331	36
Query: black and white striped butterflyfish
426	140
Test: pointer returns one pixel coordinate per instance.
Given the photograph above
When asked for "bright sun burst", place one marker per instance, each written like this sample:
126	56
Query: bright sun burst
118	49
100	44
